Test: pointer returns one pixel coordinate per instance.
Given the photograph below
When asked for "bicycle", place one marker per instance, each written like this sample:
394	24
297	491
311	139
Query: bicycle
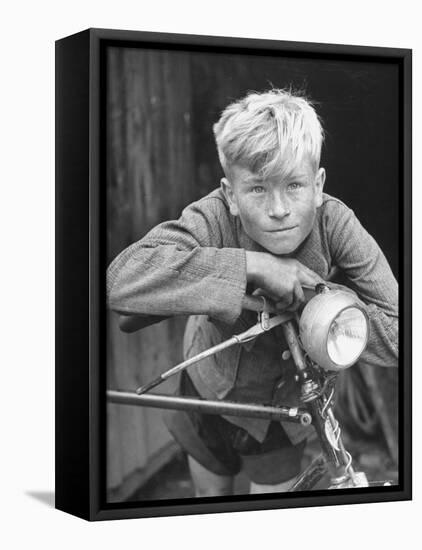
327	336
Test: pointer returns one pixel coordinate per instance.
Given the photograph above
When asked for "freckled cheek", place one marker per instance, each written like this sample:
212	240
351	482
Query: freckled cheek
253	218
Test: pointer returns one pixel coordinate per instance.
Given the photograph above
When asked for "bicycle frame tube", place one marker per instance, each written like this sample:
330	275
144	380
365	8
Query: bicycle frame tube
227	408
311	475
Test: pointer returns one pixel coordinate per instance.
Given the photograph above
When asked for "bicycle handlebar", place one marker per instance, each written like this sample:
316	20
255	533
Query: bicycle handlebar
257	303
133	323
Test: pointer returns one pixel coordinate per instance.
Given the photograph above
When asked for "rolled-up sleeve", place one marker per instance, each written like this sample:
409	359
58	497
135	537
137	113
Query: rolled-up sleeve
182	267
361	260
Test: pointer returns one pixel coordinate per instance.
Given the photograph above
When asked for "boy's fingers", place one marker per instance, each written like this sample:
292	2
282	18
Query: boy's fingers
292	300
298	298
285	302
309	277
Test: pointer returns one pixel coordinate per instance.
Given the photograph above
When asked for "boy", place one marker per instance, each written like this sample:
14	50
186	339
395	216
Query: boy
269	227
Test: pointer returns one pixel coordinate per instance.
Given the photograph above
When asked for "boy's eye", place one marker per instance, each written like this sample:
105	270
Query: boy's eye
258	189
294	185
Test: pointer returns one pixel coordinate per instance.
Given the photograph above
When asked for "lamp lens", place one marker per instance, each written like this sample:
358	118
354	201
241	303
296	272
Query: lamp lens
347	336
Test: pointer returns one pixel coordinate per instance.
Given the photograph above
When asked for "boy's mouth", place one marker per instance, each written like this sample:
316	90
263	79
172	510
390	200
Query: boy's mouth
282	229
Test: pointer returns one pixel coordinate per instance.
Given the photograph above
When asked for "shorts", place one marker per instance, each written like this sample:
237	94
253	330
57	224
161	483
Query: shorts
225	449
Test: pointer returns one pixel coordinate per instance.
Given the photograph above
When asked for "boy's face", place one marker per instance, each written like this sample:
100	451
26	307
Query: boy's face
278	213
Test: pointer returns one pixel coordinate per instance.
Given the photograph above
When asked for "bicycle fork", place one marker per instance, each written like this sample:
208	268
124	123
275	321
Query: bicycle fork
338	461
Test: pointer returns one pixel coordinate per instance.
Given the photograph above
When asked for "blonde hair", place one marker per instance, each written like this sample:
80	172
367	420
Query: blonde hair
269	133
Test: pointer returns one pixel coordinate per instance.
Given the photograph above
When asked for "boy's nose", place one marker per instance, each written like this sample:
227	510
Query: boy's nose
278	207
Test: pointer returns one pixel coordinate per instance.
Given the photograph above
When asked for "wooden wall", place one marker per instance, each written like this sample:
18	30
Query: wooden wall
149	179
161	155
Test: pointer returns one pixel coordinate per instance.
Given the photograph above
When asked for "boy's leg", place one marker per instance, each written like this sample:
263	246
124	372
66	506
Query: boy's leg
283	487
205	439
207	483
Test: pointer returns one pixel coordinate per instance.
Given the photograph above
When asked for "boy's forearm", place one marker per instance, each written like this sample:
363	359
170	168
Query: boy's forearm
166	281
382	349
361	260
254	262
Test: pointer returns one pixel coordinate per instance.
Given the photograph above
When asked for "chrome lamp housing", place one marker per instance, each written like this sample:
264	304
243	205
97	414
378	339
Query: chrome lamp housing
334	329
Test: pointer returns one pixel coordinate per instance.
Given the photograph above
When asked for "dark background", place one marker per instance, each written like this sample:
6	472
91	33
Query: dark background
162	105
161	155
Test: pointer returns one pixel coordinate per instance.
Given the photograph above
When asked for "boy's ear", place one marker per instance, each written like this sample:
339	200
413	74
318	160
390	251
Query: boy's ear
228	192
319	185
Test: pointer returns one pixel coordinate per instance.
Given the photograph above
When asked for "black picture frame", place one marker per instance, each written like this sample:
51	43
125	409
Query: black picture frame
80	273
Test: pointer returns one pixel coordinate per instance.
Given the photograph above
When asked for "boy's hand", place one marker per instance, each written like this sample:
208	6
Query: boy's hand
280	278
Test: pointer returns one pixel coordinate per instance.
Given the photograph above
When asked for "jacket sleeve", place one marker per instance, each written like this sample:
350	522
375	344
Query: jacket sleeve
361	260
182	267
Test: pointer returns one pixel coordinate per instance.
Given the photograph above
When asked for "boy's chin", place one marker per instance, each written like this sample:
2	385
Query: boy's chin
281	249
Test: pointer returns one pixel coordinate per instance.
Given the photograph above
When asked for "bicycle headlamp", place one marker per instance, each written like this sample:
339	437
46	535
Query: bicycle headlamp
334	329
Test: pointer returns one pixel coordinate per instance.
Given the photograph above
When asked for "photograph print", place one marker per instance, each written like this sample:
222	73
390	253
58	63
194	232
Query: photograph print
253	226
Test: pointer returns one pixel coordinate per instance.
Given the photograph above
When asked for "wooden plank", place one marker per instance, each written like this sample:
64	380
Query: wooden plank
137	478
148	159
